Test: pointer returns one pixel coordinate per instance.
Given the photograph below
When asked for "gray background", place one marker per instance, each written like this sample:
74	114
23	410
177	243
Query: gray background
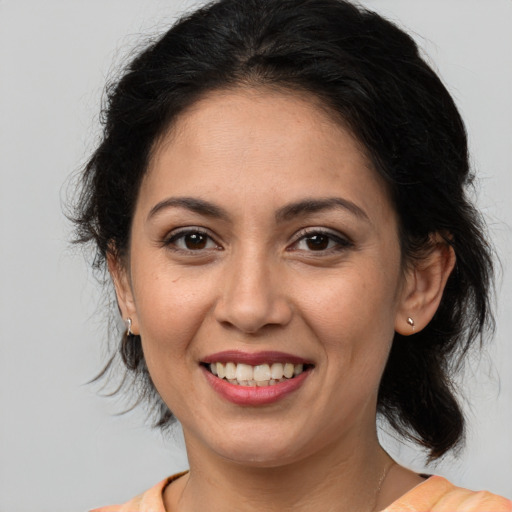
61	446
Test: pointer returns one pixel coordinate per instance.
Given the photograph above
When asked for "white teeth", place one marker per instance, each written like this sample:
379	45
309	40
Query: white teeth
262	372
288	370
259	375
230	371
243	372
221	372
277	371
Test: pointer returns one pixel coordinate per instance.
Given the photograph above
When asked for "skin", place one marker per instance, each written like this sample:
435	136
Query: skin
327	285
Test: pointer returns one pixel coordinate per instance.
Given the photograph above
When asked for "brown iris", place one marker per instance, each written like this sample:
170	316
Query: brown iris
317	242
195	241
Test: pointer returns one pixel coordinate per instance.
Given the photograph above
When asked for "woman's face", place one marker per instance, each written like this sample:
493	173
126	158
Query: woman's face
262	240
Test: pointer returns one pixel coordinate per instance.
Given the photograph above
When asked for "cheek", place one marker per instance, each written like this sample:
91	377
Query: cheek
171	310
352	312
171	307
351	297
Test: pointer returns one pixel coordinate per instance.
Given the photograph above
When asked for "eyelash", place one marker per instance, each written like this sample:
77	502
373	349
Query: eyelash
340	242
172	240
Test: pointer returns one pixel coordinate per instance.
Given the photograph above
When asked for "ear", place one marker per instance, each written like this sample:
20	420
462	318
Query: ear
424	286
122	284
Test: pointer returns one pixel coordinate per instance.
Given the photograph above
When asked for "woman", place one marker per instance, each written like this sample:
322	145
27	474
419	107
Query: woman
279	197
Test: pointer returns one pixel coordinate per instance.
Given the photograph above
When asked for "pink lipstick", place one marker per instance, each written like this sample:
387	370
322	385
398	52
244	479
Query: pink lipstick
253	379
254	359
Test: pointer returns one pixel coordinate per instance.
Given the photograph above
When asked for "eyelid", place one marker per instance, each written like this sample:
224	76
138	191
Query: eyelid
176	234
343	241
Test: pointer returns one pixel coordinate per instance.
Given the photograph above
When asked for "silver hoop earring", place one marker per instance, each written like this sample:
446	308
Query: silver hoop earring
128	323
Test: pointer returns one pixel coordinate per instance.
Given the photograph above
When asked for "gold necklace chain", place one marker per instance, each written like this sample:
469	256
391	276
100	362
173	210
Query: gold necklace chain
379	484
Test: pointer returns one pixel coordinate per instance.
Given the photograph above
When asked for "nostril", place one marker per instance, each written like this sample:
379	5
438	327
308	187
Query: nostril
252	315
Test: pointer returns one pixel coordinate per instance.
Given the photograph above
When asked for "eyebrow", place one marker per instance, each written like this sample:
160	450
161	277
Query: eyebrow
308	206
190	203
286	213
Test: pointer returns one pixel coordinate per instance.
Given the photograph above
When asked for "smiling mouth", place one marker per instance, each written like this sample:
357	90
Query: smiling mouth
242	374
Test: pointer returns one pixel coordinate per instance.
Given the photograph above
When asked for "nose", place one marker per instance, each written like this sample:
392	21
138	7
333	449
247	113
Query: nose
253	295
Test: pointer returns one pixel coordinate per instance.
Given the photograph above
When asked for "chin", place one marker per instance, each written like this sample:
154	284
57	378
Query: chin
260	460
261	452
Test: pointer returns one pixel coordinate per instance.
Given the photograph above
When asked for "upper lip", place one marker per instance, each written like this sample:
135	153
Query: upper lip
255	358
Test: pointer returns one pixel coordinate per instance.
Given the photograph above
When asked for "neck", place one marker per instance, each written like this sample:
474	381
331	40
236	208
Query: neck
333	479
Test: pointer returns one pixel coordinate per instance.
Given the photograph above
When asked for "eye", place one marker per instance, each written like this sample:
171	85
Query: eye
320	241
191	240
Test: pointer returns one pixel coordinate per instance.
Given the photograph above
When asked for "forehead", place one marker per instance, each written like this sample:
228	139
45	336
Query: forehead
244	114
281	144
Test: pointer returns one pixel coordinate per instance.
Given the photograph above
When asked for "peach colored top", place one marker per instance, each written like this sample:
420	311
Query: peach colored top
436	494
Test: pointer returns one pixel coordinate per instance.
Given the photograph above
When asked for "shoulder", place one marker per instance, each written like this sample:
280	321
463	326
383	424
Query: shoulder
149	501
437	494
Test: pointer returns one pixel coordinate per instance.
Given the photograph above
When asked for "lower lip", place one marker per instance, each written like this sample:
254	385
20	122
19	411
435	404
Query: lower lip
254	395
